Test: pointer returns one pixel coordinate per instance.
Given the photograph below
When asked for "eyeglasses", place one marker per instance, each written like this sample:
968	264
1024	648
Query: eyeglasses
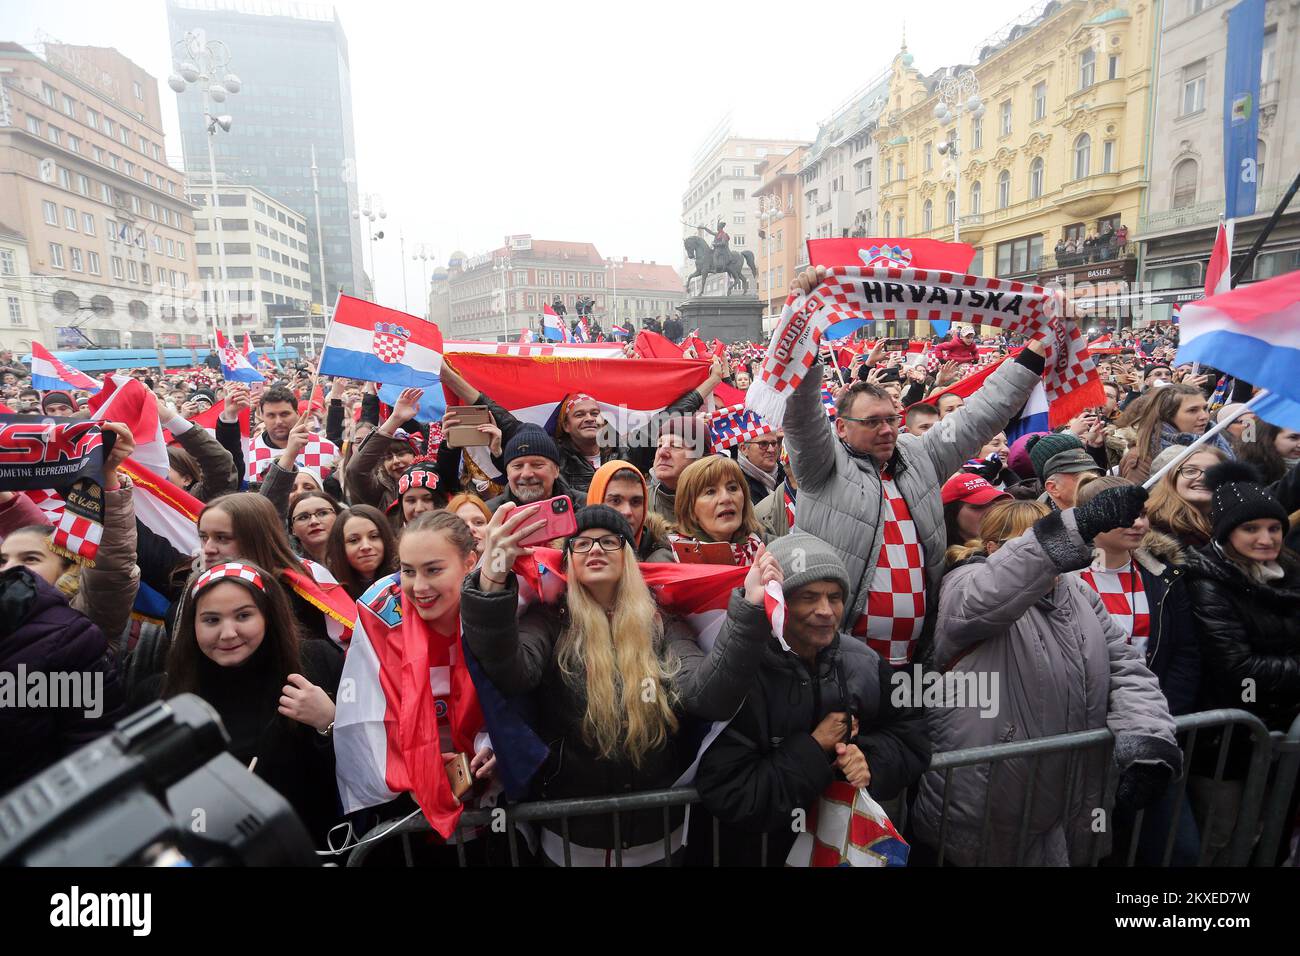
608	542
771	445
322	516
1191	472
893	421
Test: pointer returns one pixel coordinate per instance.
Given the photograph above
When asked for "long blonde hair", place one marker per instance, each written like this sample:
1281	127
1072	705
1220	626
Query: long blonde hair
615	660
1000	523
1171	512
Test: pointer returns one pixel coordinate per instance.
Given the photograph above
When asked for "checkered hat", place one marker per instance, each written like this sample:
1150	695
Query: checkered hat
231	569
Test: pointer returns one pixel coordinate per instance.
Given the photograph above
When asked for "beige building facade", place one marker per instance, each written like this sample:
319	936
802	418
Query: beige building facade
83	178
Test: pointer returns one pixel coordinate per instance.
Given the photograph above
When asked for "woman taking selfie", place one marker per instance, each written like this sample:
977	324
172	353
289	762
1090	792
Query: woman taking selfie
615	677
713	507
418	607
361	549
237	646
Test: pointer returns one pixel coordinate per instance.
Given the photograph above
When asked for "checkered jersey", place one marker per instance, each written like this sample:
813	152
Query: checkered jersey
896	602
319	456
1125	599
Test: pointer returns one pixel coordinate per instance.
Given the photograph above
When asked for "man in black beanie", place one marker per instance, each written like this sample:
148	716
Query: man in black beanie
533	470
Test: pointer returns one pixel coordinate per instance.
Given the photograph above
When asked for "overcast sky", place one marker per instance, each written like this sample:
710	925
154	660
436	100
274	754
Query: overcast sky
566	119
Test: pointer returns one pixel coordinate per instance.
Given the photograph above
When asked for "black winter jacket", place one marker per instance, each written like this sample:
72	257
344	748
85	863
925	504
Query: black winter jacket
42	634
767	764
518	655
1173	653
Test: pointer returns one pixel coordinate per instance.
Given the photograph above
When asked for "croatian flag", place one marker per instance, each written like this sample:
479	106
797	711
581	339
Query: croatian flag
735	425
126	400
553	326
583	333
619	331
1218	275
532	387
1034	417
234	365
48	373
374	344
1252	332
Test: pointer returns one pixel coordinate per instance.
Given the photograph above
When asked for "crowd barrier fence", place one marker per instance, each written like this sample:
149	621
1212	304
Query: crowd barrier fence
1261	815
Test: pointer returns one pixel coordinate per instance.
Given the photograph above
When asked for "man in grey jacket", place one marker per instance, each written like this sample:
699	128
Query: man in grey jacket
873	493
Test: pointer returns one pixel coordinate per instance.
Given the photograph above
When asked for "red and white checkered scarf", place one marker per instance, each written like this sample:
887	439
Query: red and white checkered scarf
895	609
851	293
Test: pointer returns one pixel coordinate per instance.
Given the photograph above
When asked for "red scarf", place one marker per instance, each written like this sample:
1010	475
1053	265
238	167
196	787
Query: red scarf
417	734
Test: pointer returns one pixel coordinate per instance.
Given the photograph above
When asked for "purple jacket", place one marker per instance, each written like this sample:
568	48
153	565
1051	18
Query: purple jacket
41	636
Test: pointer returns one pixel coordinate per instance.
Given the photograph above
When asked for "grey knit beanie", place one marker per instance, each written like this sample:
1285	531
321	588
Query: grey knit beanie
805	558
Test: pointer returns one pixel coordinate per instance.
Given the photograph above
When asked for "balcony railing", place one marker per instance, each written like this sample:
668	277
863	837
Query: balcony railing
1098	256
1205	213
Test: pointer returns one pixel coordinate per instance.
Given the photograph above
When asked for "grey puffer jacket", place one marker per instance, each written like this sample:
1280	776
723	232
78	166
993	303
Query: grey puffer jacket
1062	665
840	494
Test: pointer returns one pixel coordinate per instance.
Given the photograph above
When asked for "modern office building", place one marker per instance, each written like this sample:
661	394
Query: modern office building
292	59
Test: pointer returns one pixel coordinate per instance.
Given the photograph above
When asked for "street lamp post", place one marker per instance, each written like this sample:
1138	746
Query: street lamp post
503	266
958	95
612	267
200	62
372	208
772	213
424	253
320	239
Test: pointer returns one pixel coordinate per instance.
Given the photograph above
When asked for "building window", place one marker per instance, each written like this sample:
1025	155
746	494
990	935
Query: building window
105	195
51	213
33	125
976	194
1087	68
65	179
976	134
87	223
738	170
738	240
92	263
927	216
233	249
1108	156
1193	100
1186	175
83	185
144	273
74	144
950	204
864	174
135	88
69	218
1040	100
1082	156
69	106
928	153
47	94
74	259
1004	189
8	265
56	255
117	268
1020	256
738	195
888	233
1036	178
15	311
1006	118
55	135
1268	61
738	219
1112	67
132	270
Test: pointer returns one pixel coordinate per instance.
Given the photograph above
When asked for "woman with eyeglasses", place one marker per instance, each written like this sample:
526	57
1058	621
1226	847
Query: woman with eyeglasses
1180	502
311	516
714	507
614	678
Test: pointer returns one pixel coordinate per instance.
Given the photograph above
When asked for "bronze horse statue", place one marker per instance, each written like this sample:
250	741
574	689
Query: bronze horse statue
700	251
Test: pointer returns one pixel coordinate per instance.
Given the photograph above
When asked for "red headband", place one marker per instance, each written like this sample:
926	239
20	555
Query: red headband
232	569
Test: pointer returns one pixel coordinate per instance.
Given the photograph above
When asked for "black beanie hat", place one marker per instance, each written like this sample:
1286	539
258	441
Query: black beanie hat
531	440
1239	496
605	518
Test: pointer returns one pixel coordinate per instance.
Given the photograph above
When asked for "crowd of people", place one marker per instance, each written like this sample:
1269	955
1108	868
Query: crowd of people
903	530
1102	246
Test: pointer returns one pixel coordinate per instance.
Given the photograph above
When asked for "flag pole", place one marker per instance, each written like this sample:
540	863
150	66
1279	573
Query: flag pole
1265	232
320	359
1210	433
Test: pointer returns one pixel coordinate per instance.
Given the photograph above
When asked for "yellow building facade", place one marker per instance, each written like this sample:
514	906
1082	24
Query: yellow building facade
1059	153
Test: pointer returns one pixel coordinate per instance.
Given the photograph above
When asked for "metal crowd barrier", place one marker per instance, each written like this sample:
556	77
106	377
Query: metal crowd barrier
1260	807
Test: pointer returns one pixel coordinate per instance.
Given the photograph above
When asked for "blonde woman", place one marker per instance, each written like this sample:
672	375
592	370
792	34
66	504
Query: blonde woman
1011	620
615	677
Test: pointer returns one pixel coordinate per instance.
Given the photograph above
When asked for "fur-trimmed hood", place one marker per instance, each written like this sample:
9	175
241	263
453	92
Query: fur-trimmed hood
1159	551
